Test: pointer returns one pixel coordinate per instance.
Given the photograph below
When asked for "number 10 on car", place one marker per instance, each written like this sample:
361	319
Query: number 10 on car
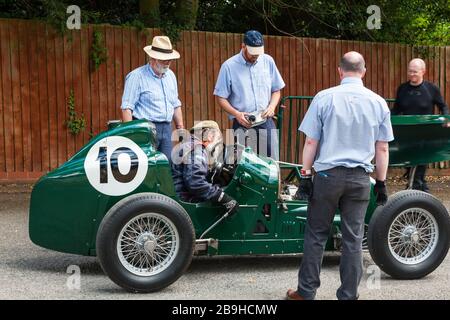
115	165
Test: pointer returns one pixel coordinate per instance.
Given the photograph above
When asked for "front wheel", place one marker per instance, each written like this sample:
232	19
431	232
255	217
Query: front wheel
409	237
145	242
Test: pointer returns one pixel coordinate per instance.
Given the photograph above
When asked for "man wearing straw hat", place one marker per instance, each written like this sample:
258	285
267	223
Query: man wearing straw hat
151	93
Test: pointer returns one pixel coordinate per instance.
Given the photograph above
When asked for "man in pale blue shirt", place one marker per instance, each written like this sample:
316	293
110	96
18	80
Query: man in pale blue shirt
151	93
249	82
346	127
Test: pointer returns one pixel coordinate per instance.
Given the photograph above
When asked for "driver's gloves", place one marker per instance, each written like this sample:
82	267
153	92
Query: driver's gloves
381	193
305	188
230	204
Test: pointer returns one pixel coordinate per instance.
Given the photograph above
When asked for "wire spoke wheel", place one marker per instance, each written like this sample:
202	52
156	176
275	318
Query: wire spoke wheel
148	244
145	242
413	236
365	243
409	236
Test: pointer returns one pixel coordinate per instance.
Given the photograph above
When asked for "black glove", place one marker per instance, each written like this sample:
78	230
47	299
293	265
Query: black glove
381	192
305	188
230	205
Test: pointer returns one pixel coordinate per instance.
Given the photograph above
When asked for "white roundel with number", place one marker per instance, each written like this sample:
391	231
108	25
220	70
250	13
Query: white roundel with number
115	166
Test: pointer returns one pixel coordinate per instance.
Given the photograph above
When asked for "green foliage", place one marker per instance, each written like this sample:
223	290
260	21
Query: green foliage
423	52
416	22
56	15
74	123
185	13
136	23
172	19
99	52
173	31
149	12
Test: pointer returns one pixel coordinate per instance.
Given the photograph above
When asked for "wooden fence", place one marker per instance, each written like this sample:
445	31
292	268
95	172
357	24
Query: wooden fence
40	67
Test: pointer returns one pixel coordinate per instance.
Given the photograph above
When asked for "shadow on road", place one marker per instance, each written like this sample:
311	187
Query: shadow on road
257	263
55	263
52	262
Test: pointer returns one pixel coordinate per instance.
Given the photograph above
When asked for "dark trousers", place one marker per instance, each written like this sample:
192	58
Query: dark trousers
419	182
266	142
348	190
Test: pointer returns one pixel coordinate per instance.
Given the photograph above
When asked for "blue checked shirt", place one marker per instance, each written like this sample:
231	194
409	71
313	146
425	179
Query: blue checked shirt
248	87
347	120
150	97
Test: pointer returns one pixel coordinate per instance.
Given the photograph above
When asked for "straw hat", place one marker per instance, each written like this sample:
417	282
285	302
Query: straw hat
205	124
161	49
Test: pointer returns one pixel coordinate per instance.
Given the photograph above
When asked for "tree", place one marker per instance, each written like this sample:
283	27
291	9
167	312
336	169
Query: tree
149	10
408	21
417	22
186	13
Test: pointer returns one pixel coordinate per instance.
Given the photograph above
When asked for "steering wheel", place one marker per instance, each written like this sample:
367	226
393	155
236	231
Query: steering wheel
223	168
215	171
232	154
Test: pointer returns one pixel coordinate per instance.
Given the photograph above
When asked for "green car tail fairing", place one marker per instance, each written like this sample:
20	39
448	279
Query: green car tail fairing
66	208
419	140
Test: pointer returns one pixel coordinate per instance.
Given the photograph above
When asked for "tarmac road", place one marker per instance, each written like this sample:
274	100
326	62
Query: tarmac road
31	272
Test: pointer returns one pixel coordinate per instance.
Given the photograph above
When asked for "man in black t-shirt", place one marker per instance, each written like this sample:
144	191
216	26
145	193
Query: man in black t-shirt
418	97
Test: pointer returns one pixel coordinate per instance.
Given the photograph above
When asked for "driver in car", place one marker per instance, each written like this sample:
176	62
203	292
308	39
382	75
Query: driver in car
190	167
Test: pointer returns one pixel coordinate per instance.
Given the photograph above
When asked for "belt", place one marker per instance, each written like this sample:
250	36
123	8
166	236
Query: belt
157	122
342	168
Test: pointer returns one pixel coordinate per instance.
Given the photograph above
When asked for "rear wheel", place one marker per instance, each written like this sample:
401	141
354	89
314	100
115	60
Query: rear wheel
409	237
145	242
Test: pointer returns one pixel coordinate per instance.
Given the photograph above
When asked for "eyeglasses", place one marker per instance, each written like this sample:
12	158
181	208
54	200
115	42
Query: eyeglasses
166	62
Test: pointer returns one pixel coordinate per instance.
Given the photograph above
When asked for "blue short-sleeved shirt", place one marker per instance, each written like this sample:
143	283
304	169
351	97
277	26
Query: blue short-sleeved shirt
347	120
248	87
150	97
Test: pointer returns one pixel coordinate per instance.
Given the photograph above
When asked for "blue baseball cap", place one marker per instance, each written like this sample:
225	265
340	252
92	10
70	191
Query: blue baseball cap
254	42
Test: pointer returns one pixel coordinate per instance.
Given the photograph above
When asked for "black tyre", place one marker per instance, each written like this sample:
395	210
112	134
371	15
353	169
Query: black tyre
409	237
145	242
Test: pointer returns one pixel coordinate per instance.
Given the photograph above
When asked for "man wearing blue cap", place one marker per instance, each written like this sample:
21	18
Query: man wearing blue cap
248	89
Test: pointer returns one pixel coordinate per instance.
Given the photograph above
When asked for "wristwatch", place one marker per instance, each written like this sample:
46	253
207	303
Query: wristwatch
305	172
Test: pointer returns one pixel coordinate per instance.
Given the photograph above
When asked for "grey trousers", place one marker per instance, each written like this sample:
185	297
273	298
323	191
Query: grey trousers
346	189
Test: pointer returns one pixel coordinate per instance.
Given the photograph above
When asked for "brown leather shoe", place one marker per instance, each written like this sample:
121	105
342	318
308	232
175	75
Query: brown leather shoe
293	295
